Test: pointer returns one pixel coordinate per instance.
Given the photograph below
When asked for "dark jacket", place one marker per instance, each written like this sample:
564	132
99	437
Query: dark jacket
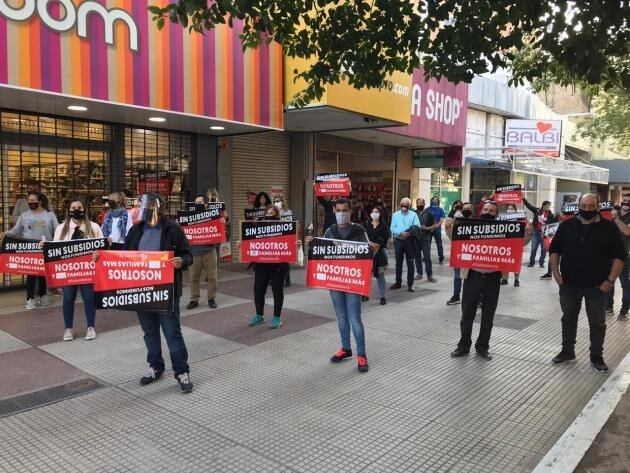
537	213
381	236
426	220
329	213
587	251
173	239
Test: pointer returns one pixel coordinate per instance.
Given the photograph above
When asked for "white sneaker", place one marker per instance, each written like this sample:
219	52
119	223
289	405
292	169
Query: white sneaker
31	304
44	301
90	334
38	300
68	336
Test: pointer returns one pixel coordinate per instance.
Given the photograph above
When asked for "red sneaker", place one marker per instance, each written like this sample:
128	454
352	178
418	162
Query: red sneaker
362	364
341	355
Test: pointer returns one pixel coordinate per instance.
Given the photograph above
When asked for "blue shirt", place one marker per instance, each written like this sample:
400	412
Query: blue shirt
439	215
401	223
151	238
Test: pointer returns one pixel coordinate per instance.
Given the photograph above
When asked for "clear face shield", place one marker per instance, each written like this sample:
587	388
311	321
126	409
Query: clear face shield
150	208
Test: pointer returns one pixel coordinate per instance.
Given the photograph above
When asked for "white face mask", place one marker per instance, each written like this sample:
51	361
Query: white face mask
458	214
375	216
277	205
343	218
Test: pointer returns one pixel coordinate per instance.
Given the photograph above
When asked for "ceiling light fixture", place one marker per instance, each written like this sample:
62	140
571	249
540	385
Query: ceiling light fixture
157	119
217	128
77	108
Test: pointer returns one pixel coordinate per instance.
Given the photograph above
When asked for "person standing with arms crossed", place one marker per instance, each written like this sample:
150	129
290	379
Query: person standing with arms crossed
427	226
587	255
401	222
438	215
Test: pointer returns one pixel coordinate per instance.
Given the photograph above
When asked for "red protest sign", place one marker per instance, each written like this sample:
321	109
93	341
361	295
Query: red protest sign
158	181
339	265
269	242
22	257
508	194
605	209
549	231
134	280
332	185
488	244
204	227
69	263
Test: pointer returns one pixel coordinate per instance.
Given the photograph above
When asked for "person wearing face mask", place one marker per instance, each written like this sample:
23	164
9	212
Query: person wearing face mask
77	226
542	216
465	212
204	260
402	221
266	274
157	233
378	232
456	207
285	214
438	215
621	217
427	226
117	222
480	285
347	305
37	223
511	208
21	205
587	256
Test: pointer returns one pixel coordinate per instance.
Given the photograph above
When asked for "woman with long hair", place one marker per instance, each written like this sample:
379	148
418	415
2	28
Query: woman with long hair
262	200
77	226
378	232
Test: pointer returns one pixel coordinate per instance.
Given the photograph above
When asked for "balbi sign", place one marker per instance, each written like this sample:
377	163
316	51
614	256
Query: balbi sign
539	136
73	15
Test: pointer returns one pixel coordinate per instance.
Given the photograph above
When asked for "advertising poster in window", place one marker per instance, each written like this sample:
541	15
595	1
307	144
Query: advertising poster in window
340	265
69	263
135	280
21	257
488	245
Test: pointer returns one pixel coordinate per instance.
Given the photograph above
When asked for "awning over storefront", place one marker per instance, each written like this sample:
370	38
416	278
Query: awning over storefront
530	163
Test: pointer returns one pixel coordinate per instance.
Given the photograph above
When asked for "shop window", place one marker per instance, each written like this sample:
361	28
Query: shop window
159	161
446	183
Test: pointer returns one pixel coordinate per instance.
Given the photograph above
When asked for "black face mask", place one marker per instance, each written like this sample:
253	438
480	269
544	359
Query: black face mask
77	214
588	214
487	216
420	208
467	213
271	217
458	207
113	205
200	207
33	205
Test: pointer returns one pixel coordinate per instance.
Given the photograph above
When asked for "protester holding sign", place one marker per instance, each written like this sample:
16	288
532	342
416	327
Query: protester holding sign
587	256
621	217
465	212
156	233
483	250
285	214
77	226
337	185
117	222
37	223
348	304
205	259
542	216
508	194
378	232
511	209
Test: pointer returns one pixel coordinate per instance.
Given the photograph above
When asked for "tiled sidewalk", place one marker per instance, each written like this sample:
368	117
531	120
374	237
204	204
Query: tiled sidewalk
269	400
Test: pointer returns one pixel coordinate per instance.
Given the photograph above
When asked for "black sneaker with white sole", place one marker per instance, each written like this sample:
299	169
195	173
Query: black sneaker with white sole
184	382
453	301
598	365
154	375
563	357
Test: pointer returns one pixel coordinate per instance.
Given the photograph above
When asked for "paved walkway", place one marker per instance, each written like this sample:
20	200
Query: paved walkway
270	401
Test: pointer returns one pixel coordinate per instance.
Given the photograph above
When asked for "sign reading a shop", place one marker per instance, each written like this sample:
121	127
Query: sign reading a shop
538	136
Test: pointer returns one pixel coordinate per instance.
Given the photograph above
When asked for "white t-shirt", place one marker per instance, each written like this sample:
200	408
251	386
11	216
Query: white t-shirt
115	234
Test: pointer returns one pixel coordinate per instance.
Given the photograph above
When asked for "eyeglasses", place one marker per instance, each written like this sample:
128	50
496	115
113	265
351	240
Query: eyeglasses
277	201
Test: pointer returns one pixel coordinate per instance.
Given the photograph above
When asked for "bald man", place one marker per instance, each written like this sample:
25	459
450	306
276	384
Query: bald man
587	255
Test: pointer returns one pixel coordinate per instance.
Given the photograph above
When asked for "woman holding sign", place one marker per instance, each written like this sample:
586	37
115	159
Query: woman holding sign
77	226
378	232
511	208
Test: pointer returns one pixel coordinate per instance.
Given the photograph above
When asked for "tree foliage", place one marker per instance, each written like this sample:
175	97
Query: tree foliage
610	120
365	40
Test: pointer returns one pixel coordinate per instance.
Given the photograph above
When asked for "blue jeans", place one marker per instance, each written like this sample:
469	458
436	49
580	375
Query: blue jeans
425	254
70	295
169	321
380	280
437	234
457	283
399	249
348	309
537	240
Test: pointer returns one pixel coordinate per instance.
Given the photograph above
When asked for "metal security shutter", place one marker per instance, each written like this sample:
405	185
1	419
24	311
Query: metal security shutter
260	161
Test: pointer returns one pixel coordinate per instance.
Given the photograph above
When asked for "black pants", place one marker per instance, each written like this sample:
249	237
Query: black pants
265	274
31	282
484	287
399	248
424	255
571	304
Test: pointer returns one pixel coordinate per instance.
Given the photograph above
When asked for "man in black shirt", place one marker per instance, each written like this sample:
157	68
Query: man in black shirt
621	218
427	225
587	255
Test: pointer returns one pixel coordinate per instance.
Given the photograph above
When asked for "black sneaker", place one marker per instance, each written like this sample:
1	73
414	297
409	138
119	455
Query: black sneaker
364	299
287	283
517	283
341	355
546	276
542	265
484	354
623	316
395	286
453	301
383	301
411	289
153	375
192	305
504	282
610	311
530	265
212	304
362	364
184	382
441	261
458	352
563	357
598	365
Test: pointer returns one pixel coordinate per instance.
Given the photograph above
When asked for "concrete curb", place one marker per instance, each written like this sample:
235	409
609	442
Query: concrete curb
569	450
